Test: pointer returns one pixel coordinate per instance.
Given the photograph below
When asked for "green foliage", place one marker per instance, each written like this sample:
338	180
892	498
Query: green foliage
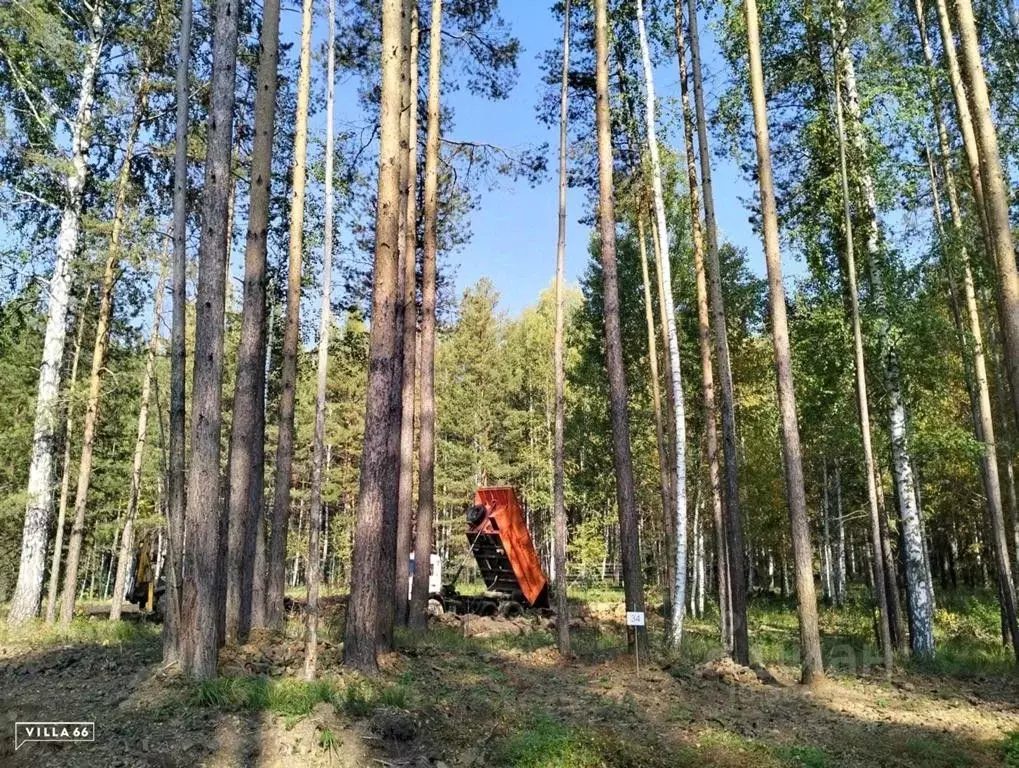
286	697
1010	747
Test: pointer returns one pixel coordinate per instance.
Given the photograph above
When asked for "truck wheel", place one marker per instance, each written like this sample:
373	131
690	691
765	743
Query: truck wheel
435	607
511	610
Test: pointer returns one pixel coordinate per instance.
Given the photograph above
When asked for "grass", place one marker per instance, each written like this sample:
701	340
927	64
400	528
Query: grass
287	697
1011	749
95	631
545	743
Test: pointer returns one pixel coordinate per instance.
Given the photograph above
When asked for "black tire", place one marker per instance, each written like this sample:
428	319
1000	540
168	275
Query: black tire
511	609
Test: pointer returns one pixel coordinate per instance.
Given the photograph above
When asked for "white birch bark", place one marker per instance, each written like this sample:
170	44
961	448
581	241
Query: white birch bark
679	596
920	603
39	507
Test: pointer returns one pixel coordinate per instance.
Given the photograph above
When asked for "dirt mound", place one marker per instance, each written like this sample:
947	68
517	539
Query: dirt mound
727	671
472	625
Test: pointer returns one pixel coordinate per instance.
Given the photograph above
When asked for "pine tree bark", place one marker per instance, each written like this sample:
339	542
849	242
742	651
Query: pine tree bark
99	351
426	435
65	482
738	640
810	642
291	339
675	633
199	602
618	415
39	508
405	520
391	496
127	535
325	323
247	430
362	611
703	318
558	460
178	356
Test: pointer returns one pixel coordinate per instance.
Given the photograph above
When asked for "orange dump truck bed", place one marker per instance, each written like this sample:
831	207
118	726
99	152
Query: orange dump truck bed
502	547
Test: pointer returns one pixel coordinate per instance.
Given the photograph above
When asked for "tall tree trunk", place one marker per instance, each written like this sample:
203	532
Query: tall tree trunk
325	322
622	458
65	482
127	537
656	401
391	494
99	350
426	436
678	400
247	430
39	508
703	317
736	579
983	417
558	460
840	541
178	355
405	520
291	339
921	610
199	604
810	642
362	610
826	564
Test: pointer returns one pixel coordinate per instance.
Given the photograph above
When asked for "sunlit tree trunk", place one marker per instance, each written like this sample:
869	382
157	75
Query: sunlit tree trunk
247	429
291	338
99	350
362	610
199	605
405	520
810	642
618	414
325	321
178	354
678	401
65	482
656	402
558	462
826	564
127	536
39	508
738	640
703	323
426	438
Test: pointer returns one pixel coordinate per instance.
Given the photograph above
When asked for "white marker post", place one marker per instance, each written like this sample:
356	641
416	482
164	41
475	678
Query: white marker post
635	619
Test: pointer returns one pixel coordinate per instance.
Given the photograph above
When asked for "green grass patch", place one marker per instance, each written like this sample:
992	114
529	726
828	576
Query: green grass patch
545	743
807	757
1011	749
96	631
361	697
287	697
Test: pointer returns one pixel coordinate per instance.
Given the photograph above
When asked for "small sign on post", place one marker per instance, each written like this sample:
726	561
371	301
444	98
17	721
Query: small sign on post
635	619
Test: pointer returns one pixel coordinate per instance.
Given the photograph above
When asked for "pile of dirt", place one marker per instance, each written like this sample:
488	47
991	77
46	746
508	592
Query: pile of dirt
727	671
472	625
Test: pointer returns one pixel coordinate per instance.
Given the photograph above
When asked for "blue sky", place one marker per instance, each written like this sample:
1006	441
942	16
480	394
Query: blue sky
515	226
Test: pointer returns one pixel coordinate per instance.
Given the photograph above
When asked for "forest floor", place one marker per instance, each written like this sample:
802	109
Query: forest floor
494	693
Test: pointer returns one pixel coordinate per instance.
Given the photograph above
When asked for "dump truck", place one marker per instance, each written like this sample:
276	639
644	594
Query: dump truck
501	545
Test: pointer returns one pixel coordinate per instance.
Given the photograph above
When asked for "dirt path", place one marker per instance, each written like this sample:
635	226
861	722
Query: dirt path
451	701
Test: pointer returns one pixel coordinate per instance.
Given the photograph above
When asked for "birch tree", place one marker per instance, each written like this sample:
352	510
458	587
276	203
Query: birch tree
39	507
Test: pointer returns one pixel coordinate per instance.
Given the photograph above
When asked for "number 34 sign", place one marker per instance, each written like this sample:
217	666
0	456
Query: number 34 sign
635	618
